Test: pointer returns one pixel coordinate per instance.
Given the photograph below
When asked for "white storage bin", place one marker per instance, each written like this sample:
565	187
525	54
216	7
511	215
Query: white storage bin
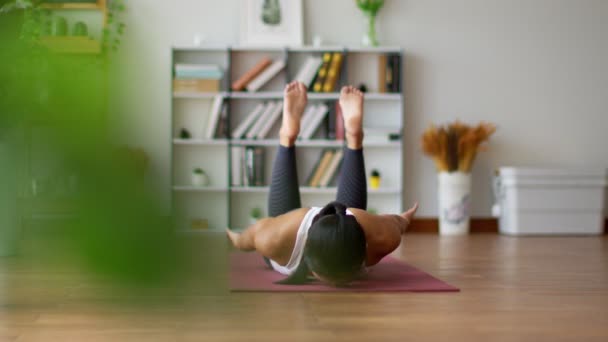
550	201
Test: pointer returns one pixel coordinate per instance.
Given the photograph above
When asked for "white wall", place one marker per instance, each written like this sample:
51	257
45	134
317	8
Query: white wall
536	68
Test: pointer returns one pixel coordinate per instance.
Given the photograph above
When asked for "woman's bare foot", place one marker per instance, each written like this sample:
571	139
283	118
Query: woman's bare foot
294	102
351	102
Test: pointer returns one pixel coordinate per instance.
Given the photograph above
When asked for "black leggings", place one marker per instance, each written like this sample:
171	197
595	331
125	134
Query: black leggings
285	193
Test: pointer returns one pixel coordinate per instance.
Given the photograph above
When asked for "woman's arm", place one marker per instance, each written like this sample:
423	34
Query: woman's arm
273	237
382	232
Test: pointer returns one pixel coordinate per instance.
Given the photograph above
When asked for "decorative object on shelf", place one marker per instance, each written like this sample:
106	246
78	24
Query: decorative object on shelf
453	148
199	177
362	87
255	214
370	9
80	29
199	39
374	180
199	224
271	23
317	41
184	134
59	28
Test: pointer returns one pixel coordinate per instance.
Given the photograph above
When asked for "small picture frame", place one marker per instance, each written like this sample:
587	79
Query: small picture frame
275	23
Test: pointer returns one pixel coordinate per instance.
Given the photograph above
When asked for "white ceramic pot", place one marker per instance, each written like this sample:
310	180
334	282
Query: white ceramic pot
9	228
200	179
454	203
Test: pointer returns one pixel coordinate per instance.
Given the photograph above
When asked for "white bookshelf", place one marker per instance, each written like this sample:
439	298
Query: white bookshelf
223	205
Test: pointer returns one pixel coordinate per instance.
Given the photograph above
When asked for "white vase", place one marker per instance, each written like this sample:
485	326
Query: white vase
9	228
454	203
200	179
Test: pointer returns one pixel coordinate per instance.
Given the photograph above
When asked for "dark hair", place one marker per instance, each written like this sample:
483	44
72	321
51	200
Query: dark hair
335	248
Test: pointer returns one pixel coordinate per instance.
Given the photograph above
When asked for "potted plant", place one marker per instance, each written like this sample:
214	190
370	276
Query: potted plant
453	148
370	9
199	177
255	214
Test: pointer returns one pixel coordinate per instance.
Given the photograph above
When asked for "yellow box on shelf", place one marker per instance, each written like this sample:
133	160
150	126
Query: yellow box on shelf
71	44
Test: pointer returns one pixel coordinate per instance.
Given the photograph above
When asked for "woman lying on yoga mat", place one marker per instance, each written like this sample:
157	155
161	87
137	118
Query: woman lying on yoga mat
333	243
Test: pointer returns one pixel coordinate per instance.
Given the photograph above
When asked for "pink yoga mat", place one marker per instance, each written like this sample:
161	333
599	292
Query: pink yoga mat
249	273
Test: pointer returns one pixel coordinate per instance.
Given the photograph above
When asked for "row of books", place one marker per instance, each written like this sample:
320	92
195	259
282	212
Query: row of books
197	78
389	73
217	123
248	166
260	74
260	121
320	74
326	170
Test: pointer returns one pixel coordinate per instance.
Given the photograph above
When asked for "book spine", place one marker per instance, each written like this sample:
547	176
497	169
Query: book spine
328	175
397	74
240	130
330	132
308	72
315	121
339	122
214	116
258	166
253	131
322	73
272	119
333	72
236	155
249	166
322	167
222	129
389	75
252	73
265	76
305	120
382	73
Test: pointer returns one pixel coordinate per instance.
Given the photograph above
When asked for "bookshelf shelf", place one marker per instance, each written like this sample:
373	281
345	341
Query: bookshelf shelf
226	160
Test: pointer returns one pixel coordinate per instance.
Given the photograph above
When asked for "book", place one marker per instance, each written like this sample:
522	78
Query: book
254	166
382	73
214	116
330	129
270	120
333	72
308	71
222	131
196	86
316	119
266	75
326	156
185	67
396	73
252	73
388	79
253	131
322	73
332	168
306	117
339	122
236	157
242	128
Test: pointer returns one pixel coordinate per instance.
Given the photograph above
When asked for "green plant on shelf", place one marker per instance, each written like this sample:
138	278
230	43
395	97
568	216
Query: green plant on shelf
370	9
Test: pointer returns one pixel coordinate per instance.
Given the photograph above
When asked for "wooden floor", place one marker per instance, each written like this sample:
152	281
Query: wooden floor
513	289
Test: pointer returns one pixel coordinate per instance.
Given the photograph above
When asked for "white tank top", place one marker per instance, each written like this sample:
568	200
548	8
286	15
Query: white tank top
301	238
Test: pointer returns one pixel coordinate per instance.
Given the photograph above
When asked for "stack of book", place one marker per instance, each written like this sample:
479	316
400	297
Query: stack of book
259	75
197	78
248	166
217	123
320	74
389	73
312	120
258	123
326	170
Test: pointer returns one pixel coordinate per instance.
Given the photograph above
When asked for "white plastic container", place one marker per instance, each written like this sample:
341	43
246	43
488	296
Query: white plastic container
531	201
454	203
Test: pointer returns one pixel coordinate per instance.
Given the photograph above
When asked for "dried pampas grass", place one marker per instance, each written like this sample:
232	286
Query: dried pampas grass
454	147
